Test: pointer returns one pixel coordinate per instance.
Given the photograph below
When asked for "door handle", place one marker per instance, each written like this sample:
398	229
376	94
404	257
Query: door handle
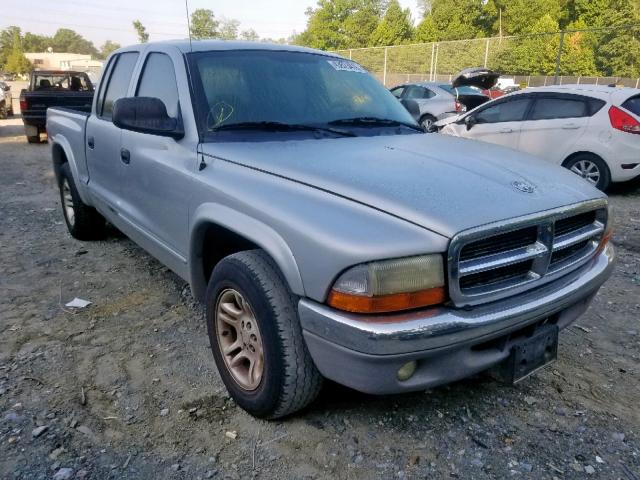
91	142
125	156
506	130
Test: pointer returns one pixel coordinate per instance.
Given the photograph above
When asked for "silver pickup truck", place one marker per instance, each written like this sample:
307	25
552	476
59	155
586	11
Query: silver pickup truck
326	233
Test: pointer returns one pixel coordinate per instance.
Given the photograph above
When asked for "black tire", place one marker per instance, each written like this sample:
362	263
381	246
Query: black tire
290	380
427	121
33	138
4	112
585	164
87	223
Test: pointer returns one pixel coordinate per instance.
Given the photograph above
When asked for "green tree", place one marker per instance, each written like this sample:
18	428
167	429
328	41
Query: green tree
66	40
16	61
532	54
250	35
6	42
451	20
336	24
204	24
395	28
141	31
108	48
228	29
518	17
36	43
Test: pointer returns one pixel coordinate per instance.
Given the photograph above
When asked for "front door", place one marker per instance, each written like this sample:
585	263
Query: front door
499	122
158	171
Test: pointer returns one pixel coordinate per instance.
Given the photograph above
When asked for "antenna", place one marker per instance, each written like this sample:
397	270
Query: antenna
186	6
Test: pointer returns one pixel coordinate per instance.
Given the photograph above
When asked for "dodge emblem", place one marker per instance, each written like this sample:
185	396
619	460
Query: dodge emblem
522	186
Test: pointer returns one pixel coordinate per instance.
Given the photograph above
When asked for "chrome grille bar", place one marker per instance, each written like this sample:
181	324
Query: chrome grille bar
499	274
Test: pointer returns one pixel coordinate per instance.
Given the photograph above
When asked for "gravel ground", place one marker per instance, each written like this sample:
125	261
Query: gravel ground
127	388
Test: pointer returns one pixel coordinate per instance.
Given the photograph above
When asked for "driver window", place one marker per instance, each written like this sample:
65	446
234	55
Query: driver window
397	92
509	111
158	80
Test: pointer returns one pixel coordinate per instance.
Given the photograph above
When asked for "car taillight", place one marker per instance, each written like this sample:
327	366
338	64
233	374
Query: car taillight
458	106
23	104
621	120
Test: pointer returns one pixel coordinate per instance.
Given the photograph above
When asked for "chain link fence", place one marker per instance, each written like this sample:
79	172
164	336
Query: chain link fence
591	56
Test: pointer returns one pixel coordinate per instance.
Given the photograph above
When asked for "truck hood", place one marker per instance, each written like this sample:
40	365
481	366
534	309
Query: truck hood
442	183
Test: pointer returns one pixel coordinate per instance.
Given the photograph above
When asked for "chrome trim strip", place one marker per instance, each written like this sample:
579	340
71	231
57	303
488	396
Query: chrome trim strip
577	236
497	260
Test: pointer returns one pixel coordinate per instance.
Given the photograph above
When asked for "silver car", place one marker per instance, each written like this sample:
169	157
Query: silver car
431	101
326	234
6	102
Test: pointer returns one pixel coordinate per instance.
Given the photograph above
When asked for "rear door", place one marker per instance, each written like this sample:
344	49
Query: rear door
499	122
103	137
554	126
158	174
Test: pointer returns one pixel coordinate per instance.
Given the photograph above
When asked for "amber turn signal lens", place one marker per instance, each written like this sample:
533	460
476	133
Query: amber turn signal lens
604	240
386	303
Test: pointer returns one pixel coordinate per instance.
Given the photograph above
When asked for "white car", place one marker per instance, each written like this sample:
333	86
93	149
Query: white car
592	130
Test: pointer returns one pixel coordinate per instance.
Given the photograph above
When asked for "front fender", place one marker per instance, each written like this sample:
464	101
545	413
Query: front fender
251	229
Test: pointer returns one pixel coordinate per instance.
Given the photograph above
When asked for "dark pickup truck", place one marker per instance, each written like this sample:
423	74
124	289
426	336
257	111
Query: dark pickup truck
50	88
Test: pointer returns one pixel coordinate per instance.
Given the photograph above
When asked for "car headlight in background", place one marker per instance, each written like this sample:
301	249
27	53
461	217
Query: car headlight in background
390	285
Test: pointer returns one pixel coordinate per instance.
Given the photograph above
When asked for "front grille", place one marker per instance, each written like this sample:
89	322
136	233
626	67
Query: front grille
500	243
504	259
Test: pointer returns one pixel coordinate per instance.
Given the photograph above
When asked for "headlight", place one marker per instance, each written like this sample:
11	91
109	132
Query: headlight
390	285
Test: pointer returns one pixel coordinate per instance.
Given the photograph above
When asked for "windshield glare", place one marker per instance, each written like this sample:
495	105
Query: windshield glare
287	87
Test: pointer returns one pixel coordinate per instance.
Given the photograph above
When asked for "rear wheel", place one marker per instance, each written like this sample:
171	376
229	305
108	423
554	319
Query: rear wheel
427	121
592	168
256	338
83	222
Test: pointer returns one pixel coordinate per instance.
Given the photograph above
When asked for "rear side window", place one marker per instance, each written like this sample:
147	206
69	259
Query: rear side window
119	82
397	92
507	111
418	93
551	108
159	80
633	105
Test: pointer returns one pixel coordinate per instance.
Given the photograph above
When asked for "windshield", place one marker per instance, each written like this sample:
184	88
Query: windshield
267	88
61	81
462	90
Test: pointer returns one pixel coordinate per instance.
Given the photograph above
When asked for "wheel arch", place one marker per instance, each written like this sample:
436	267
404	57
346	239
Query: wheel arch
218	231
582	152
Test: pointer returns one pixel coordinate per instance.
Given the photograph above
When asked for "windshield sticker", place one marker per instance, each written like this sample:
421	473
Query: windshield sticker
346	66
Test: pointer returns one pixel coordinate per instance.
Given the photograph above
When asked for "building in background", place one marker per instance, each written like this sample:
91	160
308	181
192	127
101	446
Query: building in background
63	61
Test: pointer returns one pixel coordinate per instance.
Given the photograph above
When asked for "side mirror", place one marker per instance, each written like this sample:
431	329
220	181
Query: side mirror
470	121
146	115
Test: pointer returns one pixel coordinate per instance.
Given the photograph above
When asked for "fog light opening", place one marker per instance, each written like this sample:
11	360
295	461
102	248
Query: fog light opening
407	370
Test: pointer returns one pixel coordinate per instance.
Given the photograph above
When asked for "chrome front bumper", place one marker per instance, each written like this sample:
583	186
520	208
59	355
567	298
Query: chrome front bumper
359	351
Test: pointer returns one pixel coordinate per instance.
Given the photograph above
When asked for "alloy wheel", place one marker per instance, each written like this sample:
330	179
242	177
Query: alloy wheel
67	203
239	339
587	170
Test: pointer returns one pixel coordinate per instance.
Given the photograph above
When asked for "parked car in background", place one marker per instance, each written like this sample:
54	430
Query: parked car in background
326	234
7	77
48	88
430	101
592	130
497	92
6	100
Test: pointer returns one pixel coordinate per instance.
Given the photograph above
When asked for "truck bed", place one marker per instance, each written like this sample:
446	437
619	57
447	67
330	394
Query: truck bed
36	104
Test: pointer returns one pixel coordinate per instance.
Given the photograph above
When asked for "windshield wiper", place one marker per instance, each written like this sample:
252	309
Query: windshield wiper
374	122
281	127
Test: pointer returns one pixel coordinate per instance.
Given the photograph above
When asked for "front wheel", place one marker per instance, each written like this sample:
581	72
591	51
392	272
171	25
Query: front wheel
592	168
256	338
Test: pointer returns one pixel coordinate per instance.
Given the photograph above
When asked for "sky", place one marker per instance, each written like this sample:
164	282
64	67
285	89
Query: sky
101	20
